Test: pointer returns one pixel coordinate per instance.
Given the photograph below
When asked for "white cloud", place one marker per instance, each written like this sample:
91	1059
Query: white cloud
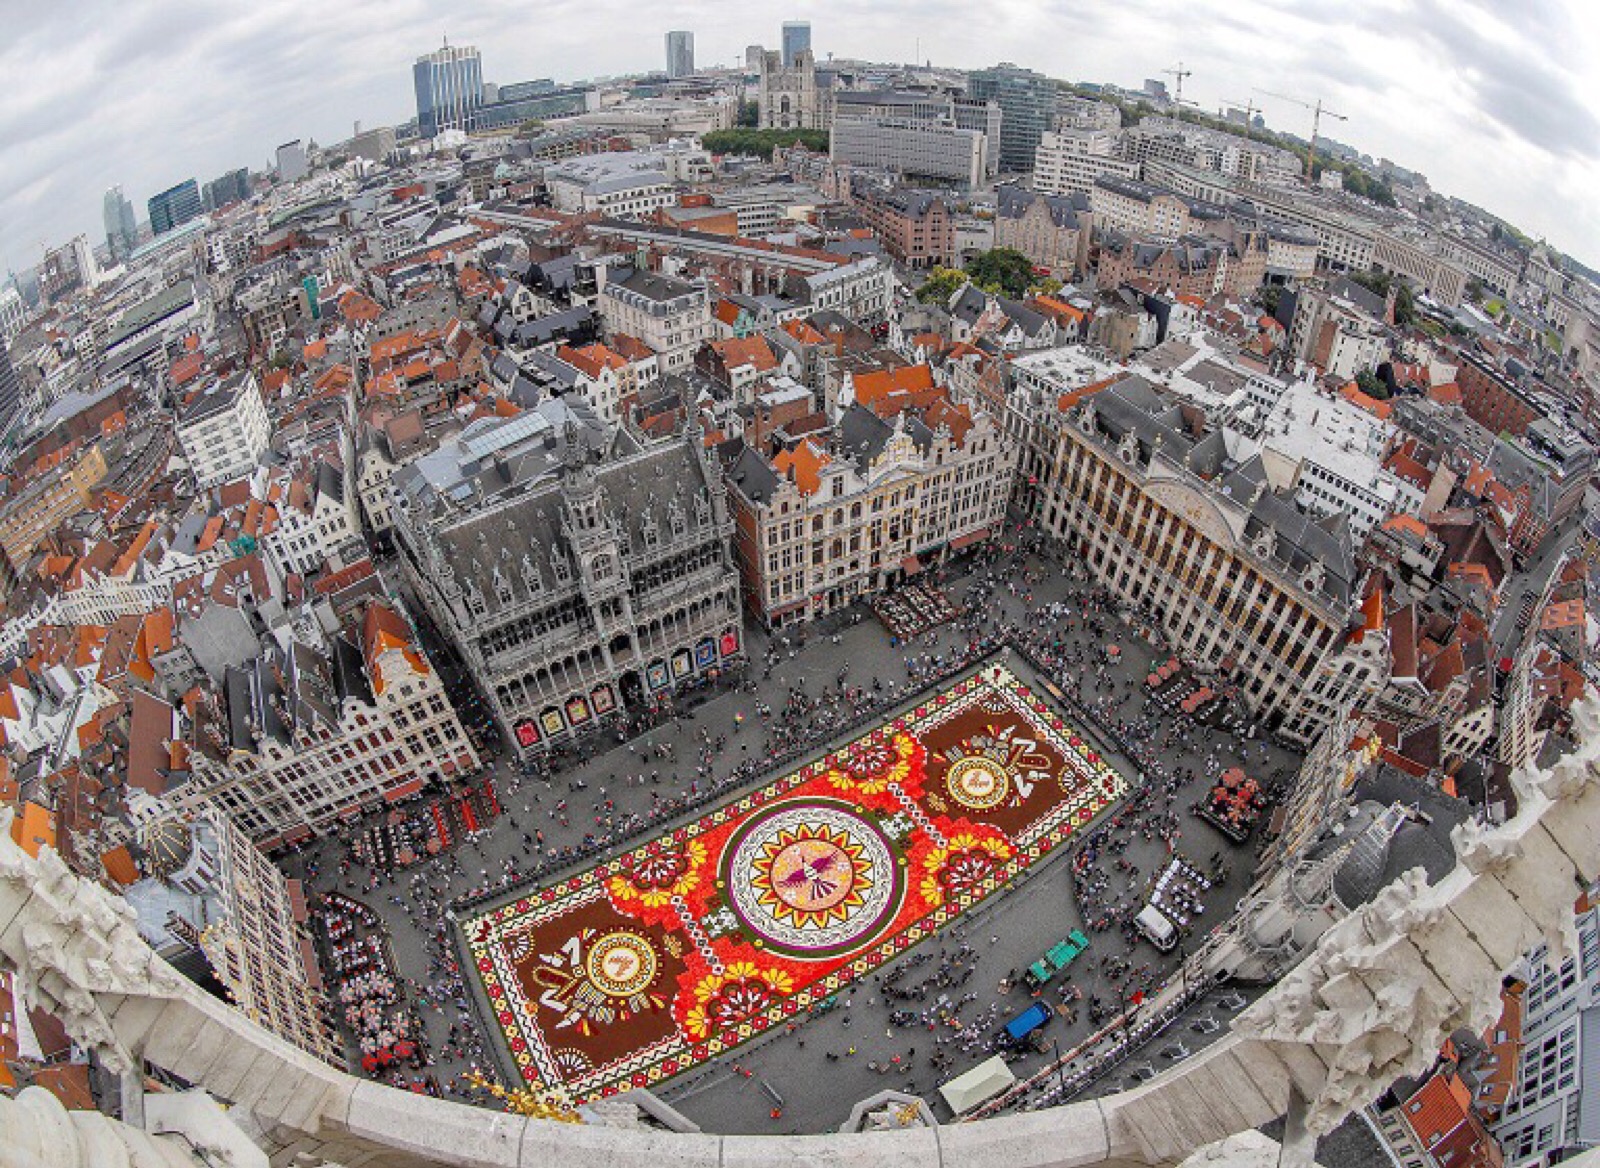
1486	99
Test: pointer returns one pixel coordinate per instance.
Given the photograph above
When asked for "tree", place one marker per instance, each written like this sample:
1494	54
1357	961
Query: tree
750	114
1405	305
1046	286
1269	296
941	284
762	142
1003	269
1372	385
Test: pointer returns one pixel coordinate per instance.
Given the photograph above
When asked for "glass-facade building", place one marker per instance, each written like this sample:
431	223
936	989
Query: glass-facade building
233	187
680	54
796	40
175	206
449	86
10	391
556	103
122	229
1027	108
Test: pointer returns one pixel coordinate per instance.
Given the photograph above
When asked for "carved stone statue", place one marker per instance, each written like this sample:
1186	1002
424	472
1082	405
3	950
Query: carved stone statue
78	941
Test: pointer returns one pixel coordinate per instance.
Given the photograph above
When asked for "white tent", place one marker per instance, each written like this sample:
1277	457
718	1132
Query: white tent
984	1081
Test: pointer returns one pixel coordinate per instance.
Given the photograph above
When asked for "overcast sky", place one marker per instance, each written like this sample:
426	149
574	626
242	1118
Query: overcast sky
1493	100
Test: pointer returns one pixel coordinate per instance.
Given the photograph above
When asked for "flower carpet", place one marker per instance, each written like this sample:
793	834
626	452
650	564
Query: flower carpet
647	965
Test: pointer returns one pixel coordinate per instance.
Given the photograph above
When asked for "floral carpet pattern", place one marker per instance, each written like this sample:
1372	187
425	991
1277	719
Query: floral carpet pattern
642	967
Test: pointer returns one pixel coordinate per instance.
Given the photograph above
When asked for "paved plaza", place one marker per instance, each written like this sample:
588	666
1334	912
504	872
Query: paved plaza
772	904
911	1022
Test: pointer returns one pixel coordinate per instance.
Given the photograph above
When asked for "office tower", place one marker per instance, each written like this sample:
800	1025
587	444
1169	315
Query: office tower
10	390
292	161
449	86
122	229
12	313
233	187
83	257
1027	109
796	40
680	54
175	206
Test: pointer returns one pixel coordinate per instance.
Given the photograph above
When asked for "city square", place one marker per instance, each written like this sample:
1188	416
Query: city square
799	608
805	697
691	944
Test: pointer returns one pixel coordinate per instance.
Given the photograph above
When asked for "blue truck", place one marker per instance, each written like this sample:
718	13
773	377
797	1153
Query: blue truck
1018	1031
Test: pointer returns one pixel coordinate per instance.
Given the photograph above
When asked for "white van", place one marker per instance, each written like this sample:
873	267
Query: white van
1157	929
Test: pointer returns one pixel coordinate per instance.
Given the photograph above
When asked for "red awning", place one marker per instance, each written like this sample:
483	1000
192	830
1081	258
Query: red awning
969	539
410	787
297	901
308	958
911	565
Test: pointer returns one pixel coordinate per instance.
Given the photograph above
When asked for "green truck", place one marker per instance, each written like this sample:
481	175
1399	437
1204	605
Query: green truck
1056	958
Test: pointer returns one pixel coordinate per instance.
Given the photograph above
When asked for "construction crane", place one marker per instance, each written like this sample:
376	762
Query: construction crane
1317	112
1180	73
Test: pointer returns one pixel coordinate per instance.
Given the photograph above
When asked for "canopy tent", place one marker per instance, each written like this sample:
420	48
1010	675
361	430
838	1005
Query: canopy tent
982	1082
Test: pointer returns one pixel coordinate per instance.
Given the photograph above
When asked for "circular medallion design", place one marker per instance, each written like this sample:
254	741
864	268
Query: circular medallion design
812	879
978	782
621	964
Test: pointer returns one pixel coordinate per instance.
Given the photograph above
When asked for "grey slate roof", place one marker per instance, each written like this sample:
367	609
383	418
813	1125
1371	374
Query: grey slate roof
969	304
751	473
1132	406
514	547
1013	202
1030	322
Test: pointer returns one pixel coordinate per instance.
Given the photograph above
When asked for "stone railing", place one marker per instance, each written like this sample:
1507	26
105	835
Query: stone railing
1374	1000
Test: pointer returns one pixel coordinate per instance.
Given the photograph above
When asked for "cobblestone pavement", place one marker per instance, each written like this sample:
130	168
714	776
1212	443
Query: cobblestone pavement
835	1059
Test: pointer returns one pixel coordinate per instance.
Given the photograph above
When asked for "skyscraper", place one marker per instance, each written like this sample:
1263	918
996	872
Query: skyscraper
796	39
122	229
680	54
175	206
292	161
10	390
449	86
1027	108
233	187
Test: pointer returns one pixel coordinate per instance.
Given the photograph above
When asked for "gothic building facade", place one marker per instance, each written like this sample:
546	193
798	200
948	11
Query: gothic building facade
604	586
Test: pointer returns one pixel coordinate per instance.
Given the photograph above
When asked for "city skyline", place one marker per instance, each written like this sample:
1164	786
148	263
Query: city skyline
1488	109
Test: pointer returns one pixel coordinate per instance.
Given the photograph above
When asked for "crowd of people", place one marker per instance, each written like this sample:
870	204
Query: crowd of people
555	817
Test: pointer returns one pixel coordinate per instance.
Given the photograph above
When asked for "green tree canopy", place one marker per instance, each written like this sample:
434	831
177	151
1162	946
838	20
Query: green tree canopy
762	142
1002	269
1405	303
1372	385
941	284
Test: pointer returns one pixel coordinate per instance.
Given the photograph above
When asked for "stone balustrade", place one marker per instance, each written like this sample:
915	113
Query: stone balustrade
1374	1000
